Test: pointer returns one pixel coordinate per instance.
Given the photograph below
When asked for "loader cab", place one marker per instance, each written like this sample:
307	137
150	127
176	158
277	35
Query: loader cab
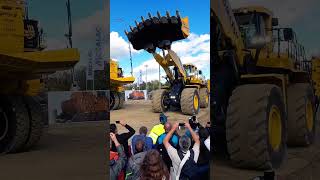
191	70
255	24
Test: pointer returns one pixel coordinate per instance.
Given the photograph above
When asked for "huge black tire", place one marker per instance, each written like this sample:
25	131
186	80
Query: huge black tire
256	127
204	98
114	101
36	122
190	101
121	99
14	109
158	98
301	117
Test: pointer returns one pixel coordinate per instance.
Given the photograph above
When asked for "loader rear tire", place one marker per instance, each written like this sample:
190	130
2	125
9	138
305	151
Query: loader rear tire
190	101
121	99
114	101
18	124
204	98
256	127
301	117
36	122
158	98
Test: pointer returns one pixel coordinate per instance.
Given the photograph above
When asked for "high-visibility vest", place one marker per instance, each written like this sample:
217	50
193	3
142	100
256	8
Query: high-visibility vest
156	131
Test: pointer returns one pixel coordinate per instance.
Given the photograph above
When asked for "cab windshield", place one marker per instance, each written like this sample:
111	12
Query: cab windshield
250	25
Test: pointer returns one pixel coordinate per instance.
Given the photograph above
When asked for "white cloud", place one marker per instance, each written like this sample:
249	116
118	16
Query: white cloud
119	48
288	11
195	50
85	28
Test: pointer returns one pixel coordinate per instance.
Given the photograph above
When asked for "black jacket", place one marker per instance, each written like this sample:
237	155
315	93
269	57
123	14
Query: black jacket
123	139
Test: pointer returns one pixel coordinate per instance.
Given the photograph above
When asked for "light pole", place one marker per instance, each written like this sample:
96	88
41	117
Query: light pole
146	76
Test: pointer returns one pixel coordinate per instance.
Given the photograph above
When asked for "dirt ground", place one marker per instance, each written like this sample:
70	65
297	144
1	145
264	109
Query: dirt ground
73	151
139	113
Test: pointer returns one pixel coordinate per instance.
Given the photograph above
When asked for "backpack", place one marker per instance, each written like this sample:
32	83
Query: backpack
189	169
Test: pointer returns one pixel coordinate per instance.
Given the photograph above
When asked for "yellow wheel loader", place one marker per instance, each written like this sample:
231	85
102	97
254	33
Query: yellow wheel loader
263	97
22	63
117	81
188	88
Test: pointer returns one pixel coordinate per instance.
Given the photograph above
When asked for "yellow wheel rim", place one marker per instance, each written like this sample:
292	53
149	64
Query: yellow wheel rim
275	128
195	102
309	116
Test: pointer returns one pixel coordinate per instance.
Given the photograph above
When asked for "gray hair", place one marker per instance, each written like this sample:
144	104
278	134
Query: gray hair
184	143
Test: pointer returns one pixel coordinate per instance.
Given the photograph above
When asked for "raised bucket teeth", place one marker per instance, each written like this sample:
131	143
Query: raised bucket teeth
158	31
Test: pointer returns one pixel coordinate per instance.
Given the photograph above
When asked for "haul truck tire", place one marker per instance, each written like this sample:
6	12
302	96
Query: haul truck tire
158	98
114	101
204	98
16	114
190	101
301	117
256	127
121	99
36	122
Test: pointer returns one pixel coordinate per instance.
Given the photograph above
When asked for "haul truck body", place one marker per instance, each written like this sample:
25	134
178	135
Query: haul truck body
23	61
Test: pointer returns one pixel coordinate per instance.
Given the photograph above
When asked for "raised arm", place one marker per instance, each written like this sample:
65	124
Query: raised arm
130	129
195	137
120	163
169	135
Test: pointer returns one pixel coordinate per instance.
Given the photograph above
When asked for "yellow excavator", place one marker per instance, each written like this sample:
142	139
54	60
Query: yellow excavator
23	61
188	87
263	98
117	81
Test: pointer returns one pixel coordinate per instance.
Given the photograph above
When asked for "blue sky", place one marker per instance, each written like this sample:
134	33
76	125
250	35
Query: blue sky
86	15
124	13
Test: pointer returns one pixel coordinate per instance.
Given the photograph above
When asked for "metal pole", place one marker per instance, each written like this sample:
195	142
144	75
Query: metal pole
146	77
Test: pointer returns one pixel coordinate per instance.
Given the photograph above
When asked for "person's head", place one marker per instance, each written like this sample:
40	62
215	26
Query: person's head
153	167
139	146
143	130
167	127
184	143
163	118
113	128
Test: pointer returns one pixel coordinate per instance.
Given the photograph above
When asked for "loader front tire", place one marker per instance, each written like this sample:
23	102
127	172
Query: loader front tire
301	117
204	98
256	127
190	101
158	101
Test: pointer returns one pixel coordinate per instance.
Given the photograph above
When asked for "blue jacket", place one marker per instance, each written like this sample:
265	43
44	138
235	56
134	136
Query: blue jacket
147	142
173	141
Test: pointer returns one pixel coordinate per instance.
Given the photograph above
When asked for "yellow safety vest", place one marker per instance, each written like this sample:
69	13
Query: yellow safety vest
156	131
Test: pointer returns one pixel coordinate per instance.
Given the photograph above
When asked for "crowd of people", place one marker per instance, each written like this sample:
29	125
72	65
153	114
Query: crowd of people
162	154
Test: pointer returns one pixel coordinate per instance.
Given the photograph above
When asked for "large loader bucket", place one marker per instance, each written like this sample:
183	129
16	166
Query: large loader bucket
158	31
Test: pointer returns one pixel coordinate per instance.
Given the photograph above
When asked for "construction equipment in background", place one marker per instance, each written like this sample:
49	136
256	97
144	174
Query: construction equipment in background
136	95
263	97
117	81
23	61
84	106
187	89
